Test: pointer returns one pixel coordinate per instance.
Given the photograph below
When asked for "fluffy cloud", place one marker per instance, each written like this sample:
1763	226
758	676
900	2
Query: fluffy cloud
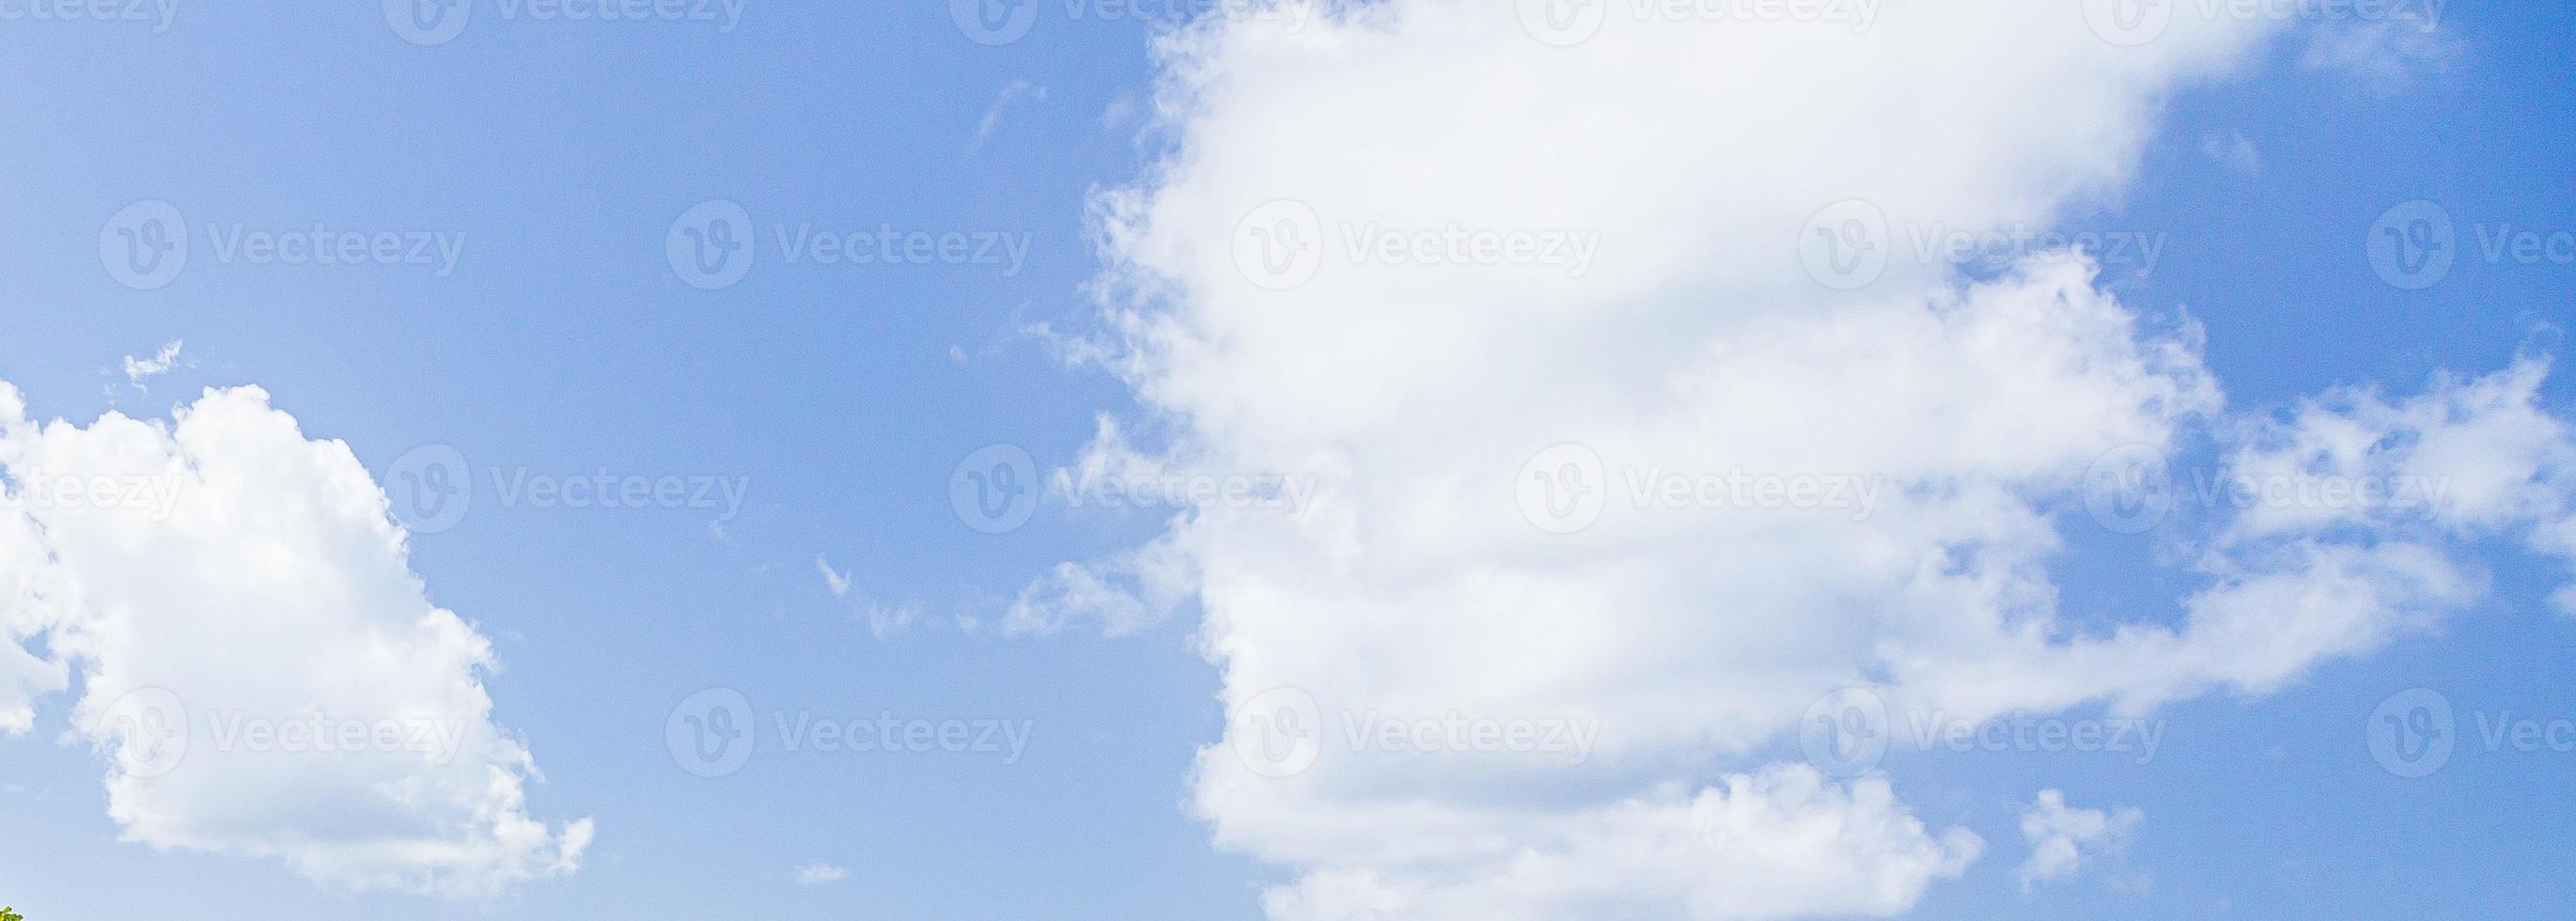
2062	838
259	667
1763	471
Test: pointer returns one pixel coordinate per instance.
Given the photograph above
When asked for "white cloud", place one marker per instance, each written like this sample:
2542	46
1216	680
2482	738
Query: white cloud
2063	839
1696	345
139	370
1015	91
2233	151
818	873
259	667
838	582
2386	55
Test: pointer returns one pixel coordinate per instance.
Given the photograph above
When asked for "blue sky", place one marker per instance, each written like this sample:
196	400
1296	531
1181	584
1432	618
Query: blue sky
839	399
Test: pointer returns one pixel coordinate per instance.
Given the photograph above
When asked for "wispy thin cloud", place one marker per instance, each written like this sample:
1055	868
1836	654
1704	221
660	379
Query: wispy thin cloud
818	873
1016	91
839	581
2233	151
